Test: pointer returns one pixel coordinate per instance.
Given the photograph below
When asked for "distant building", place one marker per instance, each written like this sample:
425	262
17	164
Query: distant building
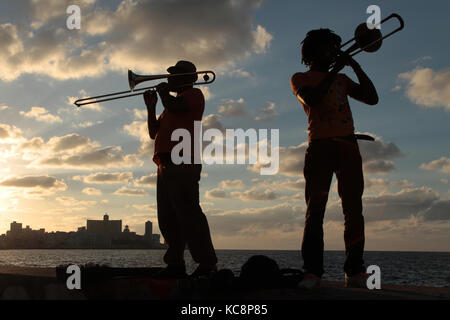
105	227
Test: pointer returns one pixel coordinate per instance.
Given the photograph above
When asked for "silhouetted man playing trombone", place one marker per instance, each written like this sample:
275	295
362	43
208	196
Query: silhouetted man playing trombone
180	217
332	148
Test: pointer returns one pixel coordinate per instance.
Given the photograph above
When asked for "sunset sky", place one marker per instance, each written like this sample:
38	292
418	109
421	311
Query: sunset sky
61	165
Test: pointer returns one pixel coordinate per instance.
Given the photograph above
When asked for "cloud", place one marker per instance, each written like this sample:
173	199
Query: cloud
427	87
213	33
74	203
212	121
146	181
283	217
377	154
39	182
41	114
86	124
440	165
139	129
108	157
232	184
102	178
92	191
268	113
382	184
254	194
216	194
82	95
124	191
233	108
239	73
391	206
9	133
206	92
291	160
438	211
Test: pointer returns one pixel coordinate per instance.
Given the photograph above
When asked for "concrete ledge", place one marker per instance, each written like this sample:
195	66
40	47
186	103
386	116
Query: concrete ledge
25	283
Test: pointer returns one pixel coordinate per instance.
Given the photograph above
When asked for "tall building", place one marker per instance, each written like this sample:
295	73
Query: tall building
148	229
105	227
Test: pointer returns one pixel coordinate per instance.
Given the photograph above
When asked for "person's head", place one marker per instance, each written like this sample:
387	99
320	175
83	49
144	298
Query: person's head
320	47
180	82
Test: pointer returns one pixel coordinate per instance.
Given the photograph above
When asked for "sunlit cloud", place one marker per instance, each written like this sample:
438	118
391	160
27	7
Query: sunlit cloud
124	191
427	87
92	191
440	165
105	178
114	37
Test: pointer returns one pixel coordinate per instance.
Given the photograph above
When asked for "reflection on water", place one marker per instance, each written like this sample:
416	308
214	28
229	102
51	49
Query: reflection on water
409	268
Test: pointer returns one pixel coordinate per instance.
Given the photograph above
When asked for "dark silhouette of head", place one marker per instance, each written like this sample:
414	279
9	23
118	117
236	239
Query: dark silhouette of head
319	48
183	81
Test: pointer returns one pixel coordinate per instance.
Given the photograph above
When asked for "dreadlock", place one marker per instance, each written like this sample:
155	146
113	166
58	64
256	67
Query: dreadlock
312	41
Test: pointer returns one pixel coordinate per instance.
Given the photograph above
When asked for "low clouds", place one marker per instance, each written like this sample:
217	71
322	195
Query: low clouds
377	156
392	206
212	33
74	152
440	165
283	217
39	182
253	194
427	87
108	178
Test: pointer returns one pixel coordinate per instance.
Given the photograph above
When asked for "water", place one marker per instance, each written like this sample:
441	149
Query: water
406	268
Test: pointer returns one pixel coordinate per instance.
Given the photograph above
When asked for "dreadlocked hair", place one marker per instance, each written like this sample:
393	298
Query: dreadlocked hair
312	42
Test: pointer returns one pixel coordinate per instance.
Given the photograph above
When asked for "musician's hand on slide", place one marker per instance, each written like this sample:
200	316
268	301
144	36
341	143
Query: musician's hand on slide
150	99
163	87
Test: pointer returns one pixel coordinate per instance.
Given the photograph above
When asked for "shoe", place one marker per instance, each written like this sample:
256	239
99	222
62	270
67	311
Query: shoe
310	281
202	272
356	281
171	272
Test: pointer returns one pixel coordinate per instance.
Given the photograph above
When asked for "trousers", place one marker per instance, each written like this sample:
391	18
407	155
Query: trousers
180	217
323	158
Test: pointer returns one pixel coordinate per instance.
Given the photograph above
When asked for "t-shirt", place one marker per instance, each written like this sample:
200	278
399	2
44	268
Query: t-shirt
170	121
332	117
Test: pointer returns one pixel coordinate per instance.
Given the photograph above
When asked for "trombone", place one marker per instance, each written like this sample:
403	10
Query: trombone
370	40
135	79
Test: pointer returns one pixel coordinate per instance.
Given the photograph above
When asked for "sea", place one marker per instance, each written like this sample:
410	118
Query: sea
430	269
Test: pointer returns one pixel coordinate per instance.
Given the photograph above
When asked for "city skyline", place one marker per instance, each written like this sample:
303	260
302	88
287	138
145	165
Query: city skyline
62	165
97	234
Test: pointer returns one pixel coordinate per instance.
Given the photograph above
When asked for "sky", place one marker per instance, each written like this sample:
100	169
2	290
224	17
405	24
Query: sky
61	165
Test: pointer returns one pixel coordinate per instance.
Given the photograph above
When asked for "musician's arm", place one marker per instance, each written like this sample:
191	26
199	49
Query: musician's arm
364	91
151	99
171	103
